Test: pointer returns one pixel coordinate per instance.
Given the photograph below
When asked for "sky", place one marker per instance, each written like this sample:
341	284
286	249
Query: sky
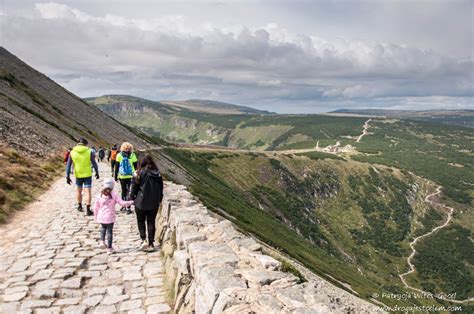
295	56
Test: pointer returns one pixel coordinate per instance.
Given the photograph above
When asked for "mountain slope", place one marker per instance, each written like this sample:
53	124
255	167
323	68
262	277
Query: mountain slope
246	131
38	116
347	221
193	105
215	107
38	120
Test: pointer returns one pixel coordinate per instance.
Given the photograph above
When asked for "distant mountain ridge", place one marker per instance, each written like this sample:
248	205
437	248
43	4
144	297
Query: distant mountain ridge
194	105
461	117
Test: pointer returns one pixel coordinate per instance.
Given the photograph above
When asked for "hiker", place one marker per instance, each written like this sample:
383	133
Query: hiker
125	165
113	156
66	155
93	150
107	154
147	191
66	158
104	212
101	154
83	159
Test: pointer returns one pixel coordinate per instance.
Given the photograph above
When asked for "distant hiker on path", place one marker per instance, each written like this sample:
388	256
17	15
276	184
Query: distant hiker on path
113	156
101	154
83	160
107	154
104	212
66	155
125	165
147	191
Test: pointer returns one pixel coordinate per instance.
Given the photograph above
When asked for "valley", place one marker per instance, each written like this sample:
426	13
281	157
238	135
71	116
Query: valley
355	199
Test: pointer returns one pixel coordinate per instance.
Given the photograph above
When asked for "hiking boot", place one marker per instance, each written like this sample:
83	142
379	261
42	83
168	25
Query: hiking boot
110	250
102	245
89	212
79	208
143	246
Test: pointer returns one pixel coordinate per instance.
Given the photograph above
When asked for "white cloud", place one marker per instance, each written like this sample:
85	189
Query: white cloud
53	10
170	57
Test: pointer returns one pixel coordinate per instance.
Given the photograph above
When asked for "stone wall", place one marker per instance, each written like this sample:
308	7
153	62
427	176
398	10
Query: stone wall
213	268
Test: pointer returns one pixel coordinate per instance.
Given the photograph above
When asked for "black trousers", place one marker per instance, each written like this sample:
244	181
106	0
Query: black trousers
125	184
148	216
112	166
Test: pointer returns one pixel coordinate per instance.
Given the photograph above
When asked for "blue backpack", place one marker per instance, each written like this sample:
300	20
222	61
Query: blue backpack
125	168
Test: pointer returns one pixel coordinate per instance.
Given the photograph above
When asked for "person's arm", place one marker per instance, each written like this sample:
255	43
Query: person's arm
94	164
116	170
121	202
161	187
68	166
96	206
134	186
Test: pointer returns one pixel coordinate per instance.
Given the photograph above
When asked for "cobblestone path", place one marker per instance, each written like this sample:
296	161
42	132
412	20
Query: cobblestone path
50	261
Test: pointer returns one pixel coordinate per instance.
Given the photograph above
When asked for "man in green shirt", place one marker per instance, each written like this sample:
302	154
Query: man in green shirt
83	160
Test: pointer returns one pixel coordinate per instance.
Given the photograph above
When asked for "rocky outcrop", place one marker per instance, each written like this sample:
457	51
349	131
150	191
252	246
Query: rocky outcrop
213	268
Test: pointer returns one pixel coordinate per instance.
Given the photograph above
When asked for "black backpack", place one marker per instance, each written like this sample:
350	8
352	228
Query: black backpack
147	190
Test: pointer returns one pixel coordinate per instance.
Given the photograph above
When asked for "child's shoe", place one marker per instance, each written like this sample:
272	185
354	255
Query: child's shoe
129	211
102	245
110	250
151	248
143	246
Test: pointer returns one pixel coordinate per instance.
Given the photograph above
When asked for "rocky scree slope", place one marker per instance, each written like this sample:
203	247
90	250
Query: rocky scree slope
38	116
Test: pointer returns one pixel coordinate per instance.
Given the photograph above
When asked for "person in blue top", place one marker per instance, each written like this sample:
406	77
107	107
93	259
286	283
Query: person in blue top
83	160
125	165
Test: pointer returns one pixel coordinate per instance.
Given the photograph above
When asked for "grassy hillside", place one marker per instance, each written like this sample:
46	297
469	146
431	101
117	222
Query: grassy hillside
249	130
342	219
22	179
444	154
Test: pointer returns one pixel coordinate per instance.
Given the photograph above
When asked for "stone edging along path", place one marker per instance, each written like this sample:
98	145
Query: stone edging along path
212	268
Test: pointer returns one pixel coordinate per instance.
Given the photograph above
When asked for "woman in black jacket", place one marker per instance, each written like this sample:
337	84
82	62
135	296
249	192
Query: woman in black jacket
147	191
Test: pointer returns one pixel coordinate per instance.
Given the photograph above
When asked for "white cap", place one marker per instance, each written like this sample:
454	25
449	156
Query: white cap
109	183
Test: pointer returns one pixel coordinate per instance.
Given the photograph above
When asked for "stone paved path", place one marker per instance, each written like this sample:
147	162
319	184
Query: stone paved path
50	261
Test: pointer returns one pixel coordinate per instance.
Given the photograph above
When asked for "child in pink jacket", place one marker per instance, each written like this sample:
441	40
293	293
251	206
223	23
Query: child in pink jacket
104	212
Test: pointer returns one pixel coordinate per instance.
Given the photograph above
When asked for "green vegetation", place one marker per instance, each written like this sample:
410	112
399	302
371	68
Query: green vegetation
320	155
287	267
247	131
446	261
440	153
388	220
318	211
